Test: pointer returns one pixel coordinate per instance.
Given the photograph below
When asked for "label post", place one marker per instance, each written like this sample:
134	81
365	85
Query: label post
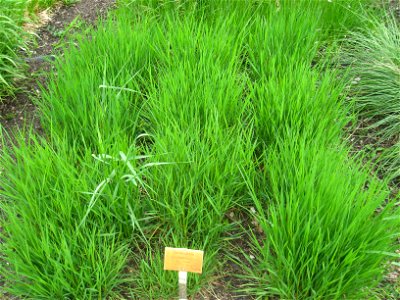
183	260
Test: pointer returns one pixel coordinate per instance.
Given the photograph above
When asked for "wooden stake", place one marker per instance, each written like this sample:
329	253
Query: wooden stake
182	285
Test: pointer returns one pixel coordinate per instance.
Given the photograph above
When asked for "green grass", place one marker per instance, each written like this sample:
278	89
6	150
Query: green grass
104	104
320	225
36	5
374	56
70	222
164	120
11	40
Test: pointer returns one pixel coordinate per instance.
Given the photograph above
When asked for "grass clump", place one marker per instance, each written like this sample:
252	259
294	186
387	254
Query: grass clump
63	229
11	40
374	58
104	101
316	208
323	238
197	116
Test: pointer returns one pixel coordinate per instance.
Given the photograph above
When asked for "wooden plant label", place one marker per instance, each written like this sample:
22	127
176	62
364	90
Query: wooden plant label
184	260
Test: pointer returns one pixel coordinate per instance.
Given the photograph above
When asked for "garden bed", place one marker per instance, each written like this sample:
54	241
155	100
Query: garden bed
213	126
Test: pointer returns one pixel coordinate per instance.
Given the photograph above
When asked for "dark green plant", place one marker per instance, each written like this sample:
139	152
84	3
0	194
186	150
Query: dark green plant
374	59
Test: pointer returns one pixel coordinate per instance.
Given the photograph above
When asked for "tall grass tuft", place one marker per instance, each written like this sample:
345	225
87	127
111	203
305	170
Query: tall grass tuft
54	246
317	209
11	40
374	59
104	85
322	235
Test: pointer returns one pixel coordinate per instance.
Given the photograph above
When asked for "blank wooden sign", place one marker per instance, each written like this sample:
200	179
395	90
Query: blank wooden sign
184	260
